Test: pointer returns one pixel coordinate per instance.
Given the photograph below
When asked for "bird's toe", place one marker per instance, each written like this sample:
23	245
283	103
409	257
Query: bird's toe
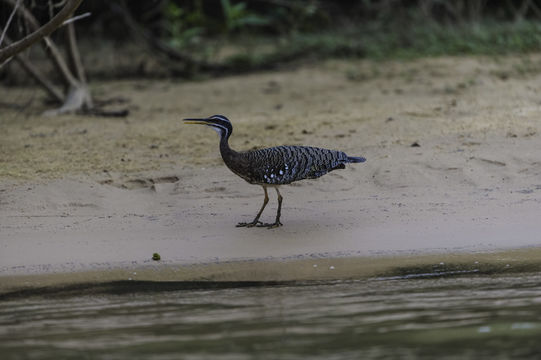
270	225
249	224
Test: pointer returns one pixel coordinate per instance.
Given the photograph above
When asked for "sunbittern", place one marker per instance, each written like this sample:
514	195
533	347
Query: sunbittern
274	166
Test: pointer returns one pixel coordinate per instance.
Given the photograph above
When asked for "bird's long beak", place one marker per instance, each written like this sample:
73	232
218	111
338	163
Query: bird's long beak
196	121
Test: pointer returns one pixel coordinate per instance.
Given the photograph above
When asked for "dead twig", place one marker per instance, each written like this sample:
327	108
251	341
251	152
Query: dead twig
77	98
74	55
9	21
49	87
20	45
76	18
52	51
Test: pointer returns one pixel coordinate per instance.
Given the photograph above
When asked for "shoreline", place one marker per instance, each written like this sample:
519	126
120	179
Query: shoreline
263	272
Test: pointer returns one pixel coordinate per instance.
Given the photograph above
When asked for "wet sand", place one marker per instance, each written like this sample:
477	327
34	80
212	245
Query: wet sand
90	199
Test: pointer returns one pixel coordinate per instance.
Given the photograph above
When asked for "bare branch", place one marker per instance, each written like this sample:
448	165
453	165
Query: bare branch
9	21
34	25
37	75
78	97
52	25
76	18
50	48
59	4
74	55
42	80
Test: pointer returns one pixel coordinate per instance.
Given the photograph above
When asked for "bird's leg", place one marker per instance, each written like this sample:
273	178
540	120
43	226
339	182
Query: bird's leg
256	220
278	213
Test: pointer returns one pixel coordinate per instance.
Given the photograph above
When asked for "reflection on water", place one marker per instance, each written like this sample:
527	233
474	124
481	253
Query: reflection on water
461	317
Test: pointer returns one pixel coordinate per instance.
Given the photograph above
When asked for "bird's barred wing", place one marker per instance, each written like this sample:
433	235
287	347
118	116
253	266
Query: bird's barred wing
285	164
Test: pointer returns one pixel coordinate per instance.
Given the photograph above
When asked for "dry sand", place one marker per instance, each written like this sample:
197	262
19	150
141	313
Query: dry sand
91	199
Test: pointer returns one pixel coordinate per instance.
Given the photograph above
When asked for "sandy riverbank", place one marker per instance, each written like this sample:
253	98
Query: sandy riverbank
82	194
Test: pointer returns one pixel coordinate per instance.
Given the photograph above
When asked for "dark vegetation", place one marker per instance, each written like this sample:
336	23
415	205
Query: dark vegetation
217	35
187	38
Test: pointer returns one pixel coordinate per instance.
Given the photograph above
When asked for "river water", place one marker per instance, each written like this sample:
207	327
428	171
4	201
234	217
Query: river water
457	317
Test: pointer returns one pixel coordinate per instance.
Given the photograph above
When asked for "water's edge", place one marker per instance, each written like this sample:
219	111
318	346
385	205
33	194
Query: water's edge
242	273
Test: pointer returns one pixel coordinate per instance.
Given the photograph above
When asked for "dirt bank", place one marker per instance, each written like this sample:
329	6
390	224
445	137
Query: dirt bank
453	166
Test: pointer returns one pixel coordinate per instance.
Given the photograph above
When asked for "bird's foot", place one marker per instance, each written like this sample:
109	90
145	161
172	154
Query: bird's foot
270	225
249	224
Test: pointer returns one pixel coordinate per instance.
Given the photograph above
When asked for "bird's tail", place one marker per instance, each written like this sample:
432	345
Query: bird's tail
353	159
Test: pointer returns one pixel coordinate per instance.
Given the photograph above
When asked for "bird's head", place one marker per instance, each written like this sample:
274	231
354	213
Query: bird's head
219	123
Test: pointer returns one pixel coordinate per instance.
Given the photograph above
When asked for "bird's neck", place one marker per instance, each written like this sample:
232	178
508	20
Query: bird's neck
227	153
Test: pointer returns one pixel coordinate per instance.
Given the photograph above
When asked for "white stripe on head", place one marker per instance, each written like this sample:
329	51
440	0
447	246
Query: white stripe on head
220	117
220	129
222	125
